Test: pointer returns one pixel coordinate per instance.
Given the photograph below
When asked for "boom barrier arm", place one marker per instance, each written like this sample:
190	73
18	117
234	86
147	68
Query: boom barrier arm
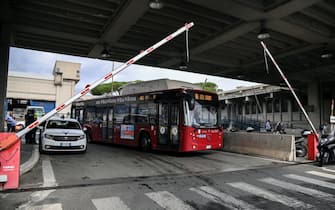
290	87
106	77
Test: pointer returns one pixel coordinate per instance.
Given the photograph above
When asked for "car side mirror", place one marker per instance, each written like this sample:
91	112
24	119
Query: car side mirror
84	129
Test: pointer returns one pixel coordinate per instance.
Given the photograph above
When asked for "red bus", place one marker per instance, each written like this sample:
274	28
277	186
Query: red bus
180	120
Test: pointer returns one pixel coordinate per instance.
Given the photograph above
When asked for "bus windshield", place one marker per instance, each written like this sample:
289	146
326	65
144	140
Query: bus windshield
204	115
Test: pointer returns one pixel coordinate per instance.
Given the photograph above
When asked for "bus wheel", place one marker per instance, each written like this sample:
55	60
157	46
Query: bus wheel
145	143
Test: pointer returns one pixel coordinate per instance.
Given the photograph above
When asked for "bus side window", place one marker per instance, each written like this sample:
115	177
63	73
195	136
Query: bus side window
121	111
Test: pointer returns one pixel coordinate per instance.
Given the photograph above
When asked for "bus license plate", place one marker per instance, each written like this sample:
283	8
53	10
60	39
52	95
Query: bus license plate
209	147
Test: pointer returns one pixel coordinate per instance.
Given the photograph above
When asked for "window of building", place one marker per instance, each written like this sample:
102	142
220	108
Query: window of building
239	108
253	108
247	108
284	105
295	106
277	105
269	106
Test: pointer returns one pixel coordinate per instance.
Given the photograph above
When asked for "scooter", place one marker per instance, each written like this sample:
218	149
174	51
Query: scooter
326	149
301	144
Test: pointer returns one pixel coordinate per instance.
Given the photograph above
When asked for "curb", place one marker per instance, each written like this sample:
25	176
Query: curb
28	165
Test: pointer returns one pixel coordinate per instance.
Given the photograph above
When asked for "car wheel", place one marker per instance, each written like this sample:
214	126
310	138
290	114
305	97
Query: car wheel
145	143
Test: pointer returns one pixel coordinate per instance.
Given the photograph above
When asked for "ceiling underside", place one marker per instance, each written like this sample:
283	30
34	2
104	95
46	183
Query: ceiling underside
223	41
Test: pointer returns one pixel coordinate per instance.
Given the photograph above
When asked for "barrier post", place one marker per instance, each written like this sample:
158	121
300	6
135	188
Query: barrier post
10	147
312	143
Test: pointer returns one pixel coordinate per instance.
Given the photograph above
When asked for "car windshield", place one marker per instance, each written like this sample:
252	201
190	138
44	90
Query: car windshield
63	124
204	114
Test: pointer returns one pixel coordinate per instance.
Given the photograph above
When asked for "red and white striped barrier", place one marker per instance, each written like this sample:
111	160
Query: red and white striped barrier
104	78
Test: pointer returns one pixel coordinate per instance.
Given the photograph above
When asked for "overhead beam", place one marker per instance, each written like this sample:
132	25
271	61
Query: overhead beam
296	31
56	34
120	24
283	54
245	13
224	37
290	8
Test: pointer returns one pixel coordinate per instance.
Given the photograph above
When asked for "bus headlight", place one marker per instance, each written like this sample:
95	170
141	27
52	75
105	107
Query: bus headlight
174	131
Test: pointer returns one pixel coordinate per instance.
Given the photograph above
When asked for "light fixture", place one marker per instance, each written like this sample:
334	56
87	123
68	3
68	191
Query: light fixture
263	33
105	53
183	66
156	4
326	53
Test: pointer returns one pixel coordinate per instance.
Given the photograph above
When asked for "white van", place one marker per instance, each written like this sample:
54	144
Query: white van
39	111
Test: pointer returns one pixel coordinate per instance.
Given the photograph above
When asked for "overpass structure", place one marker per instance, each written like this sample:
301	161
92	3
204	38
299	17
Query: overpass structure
224	41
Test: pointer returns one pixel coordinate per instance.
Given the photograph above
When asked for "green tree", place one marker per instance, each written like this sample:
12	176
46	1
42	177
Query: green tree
208	86
107	88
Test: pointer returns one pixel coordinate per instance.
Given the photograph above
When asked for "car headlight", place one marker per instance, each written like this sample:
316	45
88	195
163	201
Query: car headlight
48	136
81	137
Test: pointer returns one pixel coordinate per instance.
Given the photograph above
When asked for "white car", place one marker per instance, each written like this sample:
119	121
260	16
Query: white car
60	134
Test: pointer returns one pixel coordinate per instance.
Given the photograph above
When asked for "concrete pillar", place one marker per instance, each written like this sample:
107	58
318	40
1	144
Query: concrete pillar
4	58
314	101
264	110
289	111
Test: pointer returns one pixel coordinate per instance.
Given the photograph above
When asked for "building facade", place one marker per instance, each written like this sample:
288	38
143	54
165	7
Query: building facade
256	104
24	89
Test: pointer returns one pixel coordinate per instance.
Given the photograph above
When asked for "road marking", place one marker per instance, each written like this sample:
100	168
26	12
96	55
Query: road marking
49	179
297	188
328	169
311	181
222	198
168	201
110	203
326	175
34	198
55	206
270	195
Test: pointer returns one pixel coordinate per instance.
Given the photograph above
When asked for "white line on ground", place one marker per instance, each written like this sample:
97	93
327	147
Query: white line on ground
168	201
55	206
325	175
270	195
34	198
328	169
222	198
49	179
297	188
311	181
110	203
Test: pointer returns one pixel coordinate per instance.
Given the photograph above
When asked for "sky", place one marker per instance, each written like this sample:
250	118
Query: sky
42	63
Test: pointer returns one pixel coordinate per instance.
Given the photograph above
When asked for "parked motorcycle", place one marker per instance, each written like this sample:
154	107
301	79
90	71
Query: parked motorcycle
301	144
326	148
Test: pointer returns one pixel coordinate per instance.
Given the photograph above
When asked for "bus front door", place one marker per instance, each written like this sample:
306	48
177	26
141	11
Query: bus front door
110	128
168	124
104	125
